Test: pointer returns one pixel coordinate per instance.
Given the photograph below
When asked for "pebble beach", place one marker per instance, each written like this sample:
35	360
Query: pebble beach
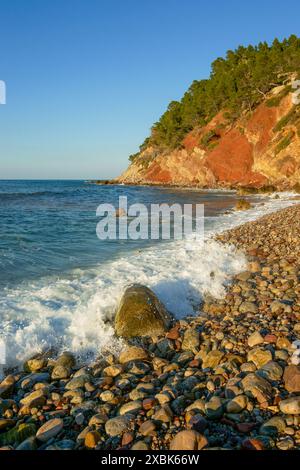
228	378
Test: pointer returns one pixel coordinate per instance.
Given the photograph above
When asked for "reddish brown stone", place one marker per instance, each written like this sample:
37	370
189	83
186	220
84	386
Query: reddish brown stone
127	438
270	339
277	400
245	427
173	333
148	403
252	444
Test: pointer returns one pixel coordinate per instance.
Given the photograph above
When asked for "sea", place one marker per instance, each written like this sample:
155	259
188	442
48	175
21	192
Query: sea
60	284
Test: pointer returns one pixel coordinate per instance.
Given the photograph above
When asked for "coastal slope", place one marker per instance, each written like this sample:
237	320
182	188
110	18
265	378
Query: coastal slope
261	148
241	127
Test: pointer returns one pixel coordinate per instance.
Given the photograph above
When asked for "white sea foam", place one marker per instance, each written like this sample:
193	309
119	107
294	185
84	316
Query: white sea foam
75	312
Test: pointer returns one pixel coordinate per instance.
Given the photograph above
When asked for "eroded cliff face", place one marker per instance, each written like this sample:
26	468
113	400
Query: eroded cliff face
260	148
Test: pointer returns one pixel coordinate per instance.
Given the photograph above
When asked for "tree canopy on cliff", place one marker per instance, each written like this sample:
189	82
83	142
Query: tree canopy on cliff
237	83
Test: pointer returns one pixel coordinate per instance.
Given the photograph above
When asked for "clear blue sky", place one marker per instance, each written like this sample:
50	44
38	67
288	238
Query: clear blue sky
87	78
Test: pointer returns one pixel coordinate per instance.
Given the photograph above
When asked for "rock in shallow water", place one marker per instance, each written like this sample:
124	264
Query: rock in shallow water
140	313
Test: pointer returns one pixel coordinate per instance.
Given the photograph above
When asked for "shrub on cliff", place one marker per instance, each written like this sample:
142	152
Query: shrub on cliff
237	83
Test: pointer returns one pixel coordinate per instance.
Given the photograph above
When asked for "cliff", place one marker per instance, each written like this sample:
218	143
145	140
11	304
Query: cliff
261	147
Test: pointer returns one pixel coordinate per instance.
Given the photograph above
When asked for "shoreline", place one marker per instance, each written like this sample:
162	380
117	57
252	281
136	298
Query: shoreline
214	381
267	189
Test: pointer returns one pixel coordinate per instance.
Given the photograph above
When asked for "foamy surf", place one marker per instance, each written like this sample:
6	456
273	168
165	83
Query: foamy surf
76	312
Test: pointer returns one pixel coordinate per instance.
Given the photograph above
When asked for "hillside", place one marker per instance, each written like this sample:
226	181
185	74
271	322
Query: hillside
239	127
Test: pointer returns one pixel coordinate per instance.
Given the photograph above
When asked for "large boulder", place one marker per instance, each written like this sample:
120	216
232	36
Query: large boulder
140	313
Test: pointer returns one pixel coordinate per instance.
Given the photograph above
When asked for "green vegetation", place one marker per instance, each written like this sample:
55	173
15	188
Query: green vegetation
237	84
290	118
275	101
284	142
209	137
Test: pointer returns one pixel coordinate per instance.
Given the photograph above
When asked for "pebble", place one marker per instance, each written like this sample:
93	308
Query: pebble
147	428
237	404
35	364
92	438
246	307
191	340
34	399
140	445
290	406
286	443
291	378
98	419
50	429
259	356
273	426
132	353
212	359
255	339
60	372
271	371
113	371
163	414
188	440
130	407
230	375
77	382
116	426
7	386
214	408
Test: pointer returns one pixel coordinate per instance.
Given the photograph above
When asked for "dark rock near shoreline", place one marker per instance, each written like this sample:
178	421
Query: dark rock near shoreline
140	313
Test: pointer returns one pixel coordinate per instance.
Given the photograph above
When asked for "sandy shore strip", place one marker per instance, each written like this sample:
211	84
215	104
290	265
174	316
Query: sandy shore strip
228	378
